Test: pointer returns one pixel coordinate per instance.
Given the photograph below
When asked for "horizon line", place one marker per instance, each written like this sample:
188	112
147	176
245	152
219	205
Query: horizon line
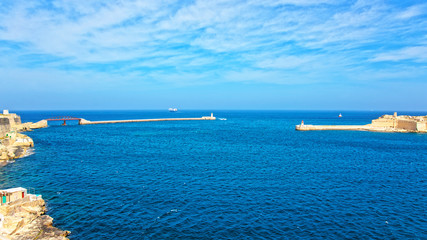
196	109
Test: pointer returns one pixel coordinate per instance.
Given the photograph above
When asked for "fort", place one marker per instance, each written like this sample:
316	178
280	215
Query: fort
8	121
13	144
385	123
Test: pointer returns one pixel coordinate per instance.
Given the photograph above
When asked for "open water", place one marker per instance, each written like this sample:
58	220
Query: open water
249	177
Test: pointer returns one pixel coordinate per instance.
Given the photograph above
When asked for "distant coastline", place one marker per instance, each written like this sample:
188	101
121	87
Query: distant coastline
22	218
386	123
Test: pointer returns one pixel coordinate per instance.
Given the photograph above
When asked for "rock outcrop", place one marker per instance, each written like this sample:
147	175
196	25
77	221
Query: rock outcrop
39	124
24	219
13	144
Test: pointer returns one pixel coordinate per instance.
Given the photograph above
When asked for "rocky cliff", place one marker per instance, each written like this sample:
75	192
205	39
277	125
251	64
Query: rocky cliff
24	219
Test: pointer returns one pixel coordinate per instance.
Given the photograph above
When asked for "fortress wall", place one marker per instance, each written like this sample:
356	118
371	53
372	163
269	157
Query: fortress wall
4	126
17	120
422	126
7	122
14	119
407	124
381	122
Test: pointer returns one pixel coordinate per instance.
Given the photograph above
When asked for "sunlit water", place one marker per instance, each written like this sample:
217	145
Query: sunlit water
249	177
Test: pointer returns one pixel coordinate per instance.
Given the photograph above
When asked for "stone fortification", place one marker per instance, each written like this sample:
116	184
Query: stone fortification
25	219
8	121
401	123
4	125
386	123
12	143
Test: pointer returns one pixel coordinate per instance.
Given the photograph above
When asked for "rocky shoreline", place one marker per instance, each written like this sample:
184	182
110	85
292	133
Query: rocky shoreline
14	144
23	218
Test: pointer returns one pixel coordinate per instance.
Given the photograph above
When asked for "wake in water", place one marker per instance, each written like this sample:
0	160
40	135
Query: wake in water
167	213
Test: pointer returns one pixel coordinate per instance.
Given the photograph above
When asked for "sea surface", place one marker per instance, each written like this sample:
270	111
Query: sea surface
251	176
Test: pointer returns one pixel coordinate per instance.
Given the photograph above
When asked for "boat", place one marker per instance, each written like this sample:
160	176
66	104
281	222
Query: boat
223	119
340	115
173	109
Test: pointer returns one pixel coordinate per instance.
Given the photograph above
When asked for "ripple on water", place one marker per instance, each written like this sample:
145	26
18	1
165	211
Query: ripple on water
250	177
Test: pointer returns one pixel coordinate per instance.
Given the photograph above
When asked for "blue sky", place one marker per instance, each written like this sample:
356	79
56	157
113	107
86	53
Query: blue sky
254	54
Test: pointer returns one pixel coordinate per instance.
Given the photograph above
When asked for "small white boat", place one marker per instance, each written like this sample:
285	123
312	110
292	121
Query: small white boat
223	119
173	109
340	115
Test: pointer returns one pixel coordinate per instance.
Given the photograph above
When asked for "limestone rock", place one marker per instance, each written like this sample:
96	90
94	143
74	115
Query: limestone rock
3	156
24	219
39	124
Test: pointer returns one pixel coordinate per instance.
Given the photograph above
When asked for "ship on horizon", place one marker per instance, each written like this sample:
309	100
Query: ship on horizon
173	109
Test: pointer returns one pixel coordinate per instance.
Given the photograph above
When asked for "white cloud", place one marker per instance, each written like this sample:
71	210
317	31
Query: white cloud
417	53
223	36
413	11
271	77
285	62
293	2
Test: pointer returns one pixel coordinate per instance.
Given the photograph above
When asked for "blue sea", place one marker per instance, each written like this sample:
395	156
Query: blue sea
251	176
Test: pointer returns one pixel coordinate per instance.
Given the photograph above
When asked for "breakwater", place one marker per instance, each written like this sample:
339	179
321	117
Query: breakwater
367	127
303	127
87	122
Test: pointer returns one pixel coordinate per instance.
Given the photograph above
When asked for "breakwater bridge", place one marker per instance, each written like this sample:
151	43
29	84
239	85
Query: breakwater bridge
83	121
65	119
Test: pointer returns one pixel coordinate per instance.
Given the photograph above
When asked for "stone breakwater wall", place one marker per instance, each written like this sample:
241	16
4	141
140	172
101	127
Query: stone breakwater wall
87	122
331	127
367	127
25	219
